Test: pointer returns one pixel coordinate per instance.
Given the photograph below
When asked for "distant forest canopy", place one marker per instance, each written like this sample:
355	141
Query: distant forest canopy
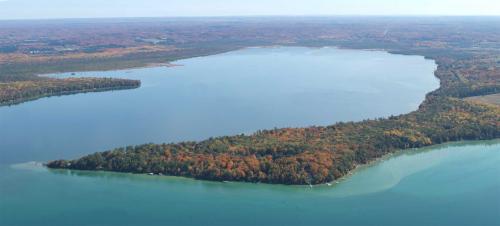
466	50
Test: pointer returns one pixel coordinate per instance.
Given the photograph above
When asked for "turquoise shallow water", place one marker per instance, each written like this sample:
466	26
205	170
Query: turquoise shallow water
454	184
240	92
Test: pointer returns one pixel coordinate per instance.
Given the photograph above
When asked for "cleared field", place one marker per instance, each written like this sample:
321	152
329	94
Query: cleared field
490	99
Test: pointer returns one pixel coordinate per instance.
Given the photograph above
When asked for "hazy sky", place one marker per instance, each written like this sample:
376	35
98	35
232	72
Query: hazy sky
30	9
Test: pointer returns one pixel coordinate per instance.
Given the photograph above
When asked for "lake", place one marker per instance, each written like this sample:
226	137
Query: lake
233	93
226	94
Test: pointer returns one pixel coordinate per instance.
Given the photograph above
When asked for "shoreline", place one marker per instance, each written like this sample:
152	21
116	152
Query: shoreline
37	165
410	151
65	93
333	184
171	63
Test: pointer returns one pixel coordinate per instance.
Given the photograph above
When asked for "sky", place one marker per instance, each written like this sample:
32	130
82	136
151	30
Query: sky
50	9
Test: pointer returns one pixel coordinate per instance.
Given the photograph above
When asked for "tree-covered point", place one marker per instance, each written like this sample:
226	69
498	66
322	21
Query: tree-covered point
14	92
302	155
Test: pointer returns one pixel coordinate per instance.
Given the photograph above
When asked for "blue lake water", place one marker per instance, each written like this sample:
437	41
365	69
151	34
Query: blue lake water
225	94
232	93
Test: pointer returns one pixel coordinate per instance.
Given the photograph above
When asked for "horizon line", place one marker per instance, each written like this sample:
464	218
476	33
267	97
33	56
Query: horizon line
258	16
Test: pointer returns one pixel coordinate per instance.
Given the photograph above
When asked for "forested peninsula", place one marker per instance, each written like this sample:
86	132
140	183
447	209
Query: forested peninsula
302	155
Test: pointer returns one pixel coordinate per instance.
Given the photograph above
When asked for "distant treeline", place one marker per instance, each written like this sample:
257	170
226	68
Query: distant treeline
20	91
